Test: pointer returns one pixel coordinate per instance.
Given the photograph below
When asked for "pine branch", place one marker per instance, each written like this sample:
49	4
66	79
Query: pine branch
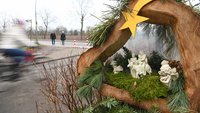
108	103
85	91
92	78
99	34
179	101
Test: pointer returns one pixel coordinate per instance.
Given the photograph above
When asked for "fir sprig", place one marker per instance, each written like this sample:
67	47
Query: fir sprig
107	103
99	34
179	102
85	91
92	78
122	60
90	72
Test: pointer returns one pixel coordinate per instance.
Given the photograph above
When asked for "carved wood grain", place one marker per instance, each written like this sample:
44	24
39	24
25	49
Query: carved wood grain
186	25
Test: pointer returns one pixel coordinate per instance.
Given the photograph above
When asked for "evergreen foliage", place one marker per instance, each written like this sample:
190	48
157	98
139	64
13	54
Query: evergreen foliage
99	34
101	106
97	81
122	60
146	88
177	85
109	102
119	59
155	61
108	66
178	102
122	109
125	108
85	91
92	78
110	105
127	53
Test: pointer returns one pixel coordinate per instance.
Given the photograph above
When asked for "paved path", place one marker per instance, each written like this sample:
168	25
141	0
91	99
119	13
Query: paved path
68	43
21	95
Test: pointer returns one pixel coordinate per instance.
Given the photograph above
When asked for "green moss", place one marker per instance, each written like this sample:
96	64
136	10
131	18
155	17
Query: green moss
120	80
146	88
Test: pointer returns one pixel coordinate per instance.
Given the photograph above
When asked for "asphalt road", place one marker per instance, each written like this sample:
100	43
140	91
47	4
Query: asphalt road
20	94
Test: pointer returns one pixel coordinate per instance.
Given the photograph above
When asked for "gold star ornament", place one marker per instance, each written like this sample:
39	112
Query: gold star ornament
132	19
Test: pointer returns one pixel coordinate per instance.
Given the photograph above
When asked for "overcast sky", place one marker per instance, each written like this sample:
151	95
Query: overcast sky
64	12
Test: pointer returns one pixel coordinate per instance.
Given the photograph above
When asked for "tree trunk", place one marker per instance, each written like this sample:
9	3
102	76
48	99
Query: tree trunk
45	33
82	20
186	25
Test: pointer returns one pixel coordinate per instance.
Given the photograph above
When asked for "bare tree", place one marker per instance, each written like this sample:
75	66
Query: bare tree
82	12
47	19
41	30
61	28
5	22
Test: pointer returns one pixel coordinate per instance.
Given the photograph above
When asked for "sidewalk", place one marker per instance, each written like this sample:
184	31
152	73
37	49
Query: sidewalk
68	43
56	52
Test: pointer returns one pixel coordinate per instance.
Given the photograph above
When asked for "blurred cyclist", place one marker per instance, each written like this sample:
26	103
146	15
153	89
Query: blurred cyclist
13	41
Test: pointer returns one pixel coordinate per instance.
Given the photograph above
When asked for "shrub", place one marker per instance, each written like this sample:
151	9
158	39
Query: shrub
122	60
108	66
155	61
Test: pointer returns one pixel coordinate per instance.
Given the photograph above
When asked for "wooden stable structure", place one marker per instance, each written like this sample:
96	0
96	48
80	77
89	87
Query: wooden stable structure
186	26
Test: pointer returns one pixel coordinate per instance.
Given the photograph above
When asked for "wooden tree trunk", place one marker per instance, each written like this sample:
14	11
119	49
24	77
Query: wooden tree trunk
185	24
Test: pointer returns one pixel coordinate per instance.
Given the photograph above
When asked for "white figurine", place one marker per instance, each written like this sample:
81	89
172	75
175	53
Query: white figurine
142	57
134	68
139	66
116	69
167	74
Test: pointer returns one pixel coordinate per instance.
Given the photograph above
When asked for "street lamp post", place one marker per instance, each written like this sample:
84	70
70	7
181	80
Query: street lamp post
36	38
